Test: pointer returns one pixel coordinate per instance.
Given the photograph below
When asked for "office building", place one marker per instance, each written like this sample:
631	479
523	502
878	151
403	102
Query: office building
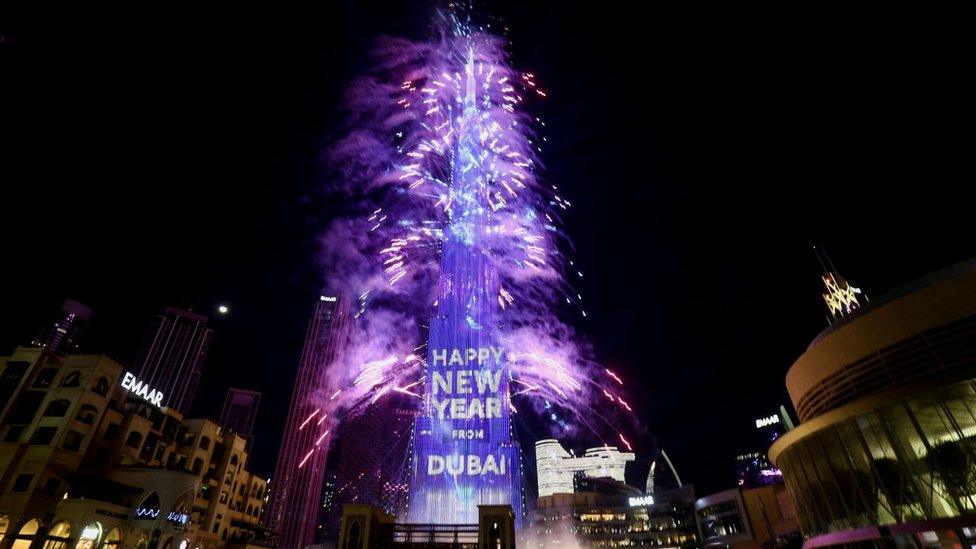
886	397
91	456
752	466
172	355
300	469
64	336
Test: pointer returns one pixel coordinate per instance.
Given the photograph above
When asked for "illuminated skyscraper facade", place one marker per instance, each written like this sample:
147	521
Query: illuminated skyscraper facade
371	462
296	487
172	355
63	336
239	413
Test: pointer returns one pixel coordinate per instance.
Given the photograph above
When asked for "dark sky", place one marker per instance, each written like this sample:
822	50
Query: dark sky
161	158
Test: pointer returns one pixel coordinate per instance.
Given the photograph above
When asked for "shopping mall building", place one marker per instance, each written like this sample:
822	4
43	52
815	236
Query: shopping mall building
886	396
92	457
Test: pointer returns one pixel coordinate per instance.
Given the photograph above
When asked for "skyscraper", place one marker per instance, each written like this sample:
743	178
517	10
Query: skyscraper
372	461
172	356
239	412
63	336
297	481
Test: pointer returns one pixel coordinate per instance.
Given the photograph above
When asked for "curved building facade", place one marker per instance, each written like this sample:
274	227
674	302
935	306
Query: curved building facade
887	401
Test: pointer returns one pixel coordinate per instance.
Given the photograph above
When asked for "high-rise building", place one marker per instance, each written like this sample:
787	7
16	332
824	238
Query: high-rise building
63	336
297	481
172	355
372	461
752	467
239	412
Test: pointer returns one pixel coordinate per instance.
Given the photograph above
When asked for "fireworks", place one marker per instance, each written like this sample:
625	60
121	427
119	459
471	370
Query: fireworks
439	166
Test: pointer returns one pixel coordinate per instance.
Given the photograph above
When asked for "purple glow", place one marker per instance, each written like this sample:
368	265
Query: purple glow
452	242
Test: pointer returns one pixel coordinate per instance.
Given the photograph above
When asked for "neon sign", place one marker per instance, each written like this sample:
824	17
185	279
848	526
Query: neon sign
767	421
141	390
641	501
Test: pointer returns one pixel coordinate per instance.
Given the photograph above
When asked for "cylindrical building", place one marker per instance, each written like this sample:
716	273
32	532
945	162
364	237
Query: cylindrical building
887	401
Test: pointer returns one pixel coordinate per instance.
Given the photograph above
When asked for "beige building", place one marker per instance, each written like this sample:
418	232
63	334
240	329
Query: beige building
886	451
91	457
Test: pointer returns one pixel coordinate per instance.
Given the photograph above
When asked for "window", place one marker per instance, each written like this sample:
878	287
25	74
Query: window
21	483
72	441
112	539
87	414
111	431
100	387
13	433
57	408
51	487
197	465
71	380
233	459
44	435
204	443
58	536
45	378
133	440
223	496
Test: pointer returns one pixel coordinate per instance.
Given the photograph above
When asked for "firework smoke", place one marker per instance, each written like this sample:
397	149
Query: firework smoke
439	147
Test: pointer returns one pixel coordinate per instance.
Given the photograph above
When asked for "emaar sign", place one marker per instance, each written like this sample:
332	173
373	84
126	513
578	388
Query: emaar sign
142	390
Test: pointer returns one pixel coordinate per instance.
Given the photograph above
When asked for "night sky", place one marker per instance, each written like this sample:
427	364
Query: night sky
174	158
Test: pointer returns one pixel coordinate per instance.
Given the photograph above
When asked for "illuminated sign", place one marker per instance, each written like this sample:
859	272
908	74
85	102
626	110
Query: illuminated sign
641	501
464	452
142	390
143	513
841	297
328	298
178	517
767	421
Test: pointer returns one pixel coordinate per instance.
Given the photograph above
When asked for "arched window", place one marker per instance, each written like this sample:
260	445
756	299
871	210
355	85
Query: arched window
204	443
197	465
233	459
142	543
112	539
58	536
4	524
72	379
100	387
250	510
90	535
57	408
87	414
133	440
26	534
352	541
72	441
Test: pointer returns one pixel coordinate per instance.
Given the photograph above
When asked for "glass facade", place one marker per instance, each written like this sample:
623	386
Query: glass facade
910	460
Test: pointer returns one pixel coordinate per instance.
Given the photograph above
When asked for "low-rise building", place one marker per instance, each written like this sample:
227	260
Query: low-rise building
91	456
